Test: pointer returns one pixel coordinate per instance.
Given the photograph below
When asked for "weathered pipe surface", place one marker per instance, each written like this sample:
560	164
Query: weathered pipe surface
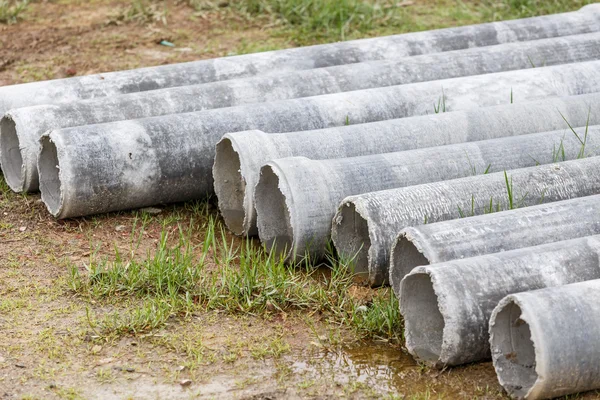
128	164
240	155
545	342
296	198
492	233
585	20
29	123
365	225
446	307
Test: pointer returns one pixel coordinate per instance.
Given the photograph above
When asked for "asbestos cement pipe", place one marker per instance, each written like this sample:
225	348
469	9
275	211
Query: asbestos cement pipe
585	20
240	155
296	198
545	342
128	164
365	225
24	126
492	233
446	307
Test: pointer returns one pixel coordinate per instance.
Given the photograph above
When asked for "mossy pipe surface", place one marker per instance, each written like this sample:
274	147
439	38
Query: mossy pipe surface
545	342
492	233
585	20
29	123
446	307
177	151
365	225
296	198
240	155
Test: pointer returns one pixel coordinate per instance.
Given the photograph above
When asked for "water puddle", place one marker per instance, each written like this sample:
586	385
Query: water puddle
380	366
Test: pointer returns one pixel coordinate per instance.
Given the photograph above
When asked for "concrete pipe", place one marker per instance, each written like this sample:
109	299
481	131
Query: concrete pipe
365	225
296	198
492	233
585	20
240	155
26	125
545	342
180	148
447	307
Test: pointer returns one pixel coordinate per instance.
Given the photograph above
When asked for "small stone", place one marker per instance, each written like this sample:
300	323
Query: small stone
129	369
181	368
185	382
120	228
96	349
151	210
361	309
2	359
22	229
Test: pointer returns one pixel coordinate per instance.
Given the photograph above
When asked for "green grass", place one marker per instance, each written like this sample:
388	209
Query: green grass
141	12
10	10
318	21
178	278
511	9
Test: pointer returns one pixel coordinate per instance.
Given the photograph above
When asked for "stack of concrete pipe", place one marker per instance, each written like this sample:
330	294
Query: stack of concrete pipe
240	155
169	158
20	129
407	151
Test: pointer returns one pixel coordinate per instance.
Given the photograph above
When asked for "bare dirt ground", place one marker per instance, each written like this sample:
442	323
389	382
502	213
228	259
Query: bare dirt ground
48	343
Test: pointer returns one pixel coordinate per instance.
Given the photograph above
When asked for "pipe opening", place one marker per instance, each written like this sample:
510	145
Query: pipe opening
10	155
351	238
513	350
273	216
49	171
423	321
405	257
230	186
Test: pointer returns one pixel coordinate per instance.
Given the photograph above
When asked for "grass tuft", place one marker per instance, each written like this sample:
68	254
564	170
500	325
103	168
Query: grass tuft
309	21
142	12
10	10
177	278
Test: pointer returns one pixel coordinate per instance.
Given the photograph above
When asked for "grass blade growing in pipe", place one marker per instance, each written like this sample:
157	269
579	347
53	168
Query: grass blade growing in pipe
296	198
26	125
240	155
492	233
447	306
169	158
585	20
545	342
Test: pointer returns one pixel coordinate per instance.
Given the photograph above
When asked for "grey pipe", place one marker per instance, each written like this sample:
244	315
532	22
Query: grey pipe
29	123
585	20
446	307
545	342
177	150
492	233
296	198
365	225
240	155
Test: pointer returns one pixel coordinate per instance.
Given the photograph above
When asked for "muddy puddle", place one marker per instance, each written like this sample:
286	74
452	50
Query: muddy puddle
379	366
